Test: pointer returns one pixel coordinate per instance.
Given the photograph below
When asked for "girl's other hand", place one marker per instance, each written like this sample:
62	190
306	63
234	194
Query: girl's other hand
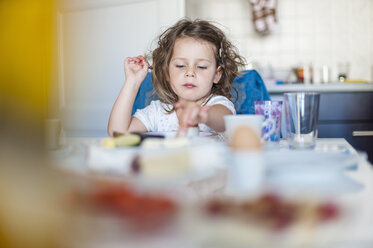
191	114
136	68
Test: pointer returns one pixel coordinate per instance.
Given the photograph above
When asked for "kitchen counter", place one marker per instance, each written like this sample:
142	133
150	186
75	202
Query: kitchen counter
332	87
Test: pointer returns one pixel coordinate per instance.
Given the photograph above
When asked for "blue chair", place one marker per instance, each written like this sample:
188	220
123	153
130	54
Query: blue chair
249	85
145	95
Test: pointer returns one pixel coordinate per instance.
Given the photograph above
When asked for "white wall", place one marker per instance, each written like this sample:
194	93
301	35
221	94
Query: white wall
94	38
308	31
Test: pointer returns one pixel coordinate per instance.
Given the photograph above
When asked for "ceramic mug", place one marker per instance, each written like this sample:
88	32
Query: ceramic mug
234	121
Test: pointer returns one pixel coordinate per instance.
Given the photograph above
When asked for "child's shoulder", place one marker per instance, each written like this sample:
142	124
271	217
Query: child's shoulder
158	103
222	100
158	106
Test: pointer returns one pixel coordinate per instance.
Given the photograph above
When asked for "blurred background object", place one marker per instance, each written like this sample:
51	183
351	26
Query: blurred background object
325	74
343	71
25	69
30	200
264	15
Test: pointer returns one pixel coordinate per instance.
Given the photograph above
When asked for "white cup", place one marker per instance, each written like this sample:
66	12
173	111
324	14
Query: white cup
234	121
52	133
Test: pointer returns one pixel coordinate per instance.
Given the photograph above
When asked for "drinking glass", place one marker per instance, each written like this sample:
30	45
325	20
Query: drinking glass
301	117
271	110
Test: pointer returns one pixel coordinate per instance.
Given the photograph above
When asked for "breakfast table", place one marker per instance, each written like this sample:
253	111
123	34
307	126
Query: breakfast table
352	189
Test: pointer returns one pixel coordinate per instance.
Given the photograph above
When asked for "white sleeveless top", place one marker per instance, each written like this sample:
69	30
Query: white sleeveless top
156	119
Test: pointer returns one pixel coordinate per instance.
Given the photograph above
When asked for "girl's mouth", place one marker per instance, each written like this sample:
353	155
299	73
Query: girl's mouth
189	85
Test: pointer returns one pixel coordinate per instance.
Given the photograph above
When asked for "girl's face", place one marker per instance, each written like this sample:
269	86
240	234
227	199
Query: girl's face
192	69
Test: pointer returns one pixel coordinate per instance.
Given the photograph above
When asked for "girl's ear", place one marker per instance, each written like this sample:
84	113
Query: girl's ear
218	73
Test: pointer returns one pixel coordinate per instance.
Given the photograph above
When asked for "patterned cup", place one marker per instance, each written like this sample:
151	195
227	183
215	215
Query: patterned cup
271	110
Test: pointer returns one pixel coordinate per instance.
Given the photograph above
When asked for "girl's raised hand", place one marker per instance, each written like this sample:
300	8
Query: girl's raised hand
191	114
136	68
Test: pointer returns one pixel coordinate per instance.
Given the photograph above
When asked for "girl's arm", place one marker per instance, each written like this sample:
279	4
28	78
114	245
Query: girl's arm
215	117
190	114
120	119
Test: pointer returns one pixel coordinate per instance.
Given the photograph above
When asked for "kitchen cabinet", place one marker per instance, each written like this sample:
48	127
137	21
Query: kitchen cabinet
349	116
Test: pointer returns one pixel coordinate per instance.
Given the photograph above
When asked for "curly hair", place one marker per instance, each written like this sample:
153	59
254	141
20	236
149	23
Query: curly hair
226	56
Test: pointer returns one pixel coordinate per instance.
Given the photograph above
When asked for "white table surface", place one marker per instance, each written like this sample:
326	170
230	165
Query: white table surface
358	233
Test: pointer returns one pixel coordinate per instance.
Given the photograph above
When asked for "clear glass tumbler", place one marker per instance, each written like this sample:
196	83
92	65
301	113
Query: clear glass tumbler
301	115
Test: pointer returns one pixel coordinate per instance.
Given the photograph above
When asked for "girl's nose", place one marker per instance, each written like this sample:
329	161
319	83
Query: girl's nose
189	72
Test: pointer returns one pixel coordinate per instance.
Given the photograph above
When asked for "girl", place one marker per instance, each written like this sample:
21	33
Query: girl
193	70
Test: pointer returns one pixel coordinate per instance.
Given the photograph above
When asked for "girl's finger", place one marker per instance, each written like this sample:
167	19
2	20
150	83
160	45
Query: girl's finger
140	58
186	116
145	63
193	116
183	128
205	108
182	123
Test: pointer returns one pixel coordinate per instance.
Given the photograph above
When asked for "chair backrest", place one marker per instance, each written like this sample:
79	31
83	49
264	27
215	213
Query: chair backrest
145	95
250	88
249	85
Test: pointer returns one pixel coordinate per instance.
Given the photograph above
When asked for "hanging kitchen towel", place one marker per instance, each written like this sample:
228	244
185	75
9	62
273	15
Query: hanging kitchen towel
264	15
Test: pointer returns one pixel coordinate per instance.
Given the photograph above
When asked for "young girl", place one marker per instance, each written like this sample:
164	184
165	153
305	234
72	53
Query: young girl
193	70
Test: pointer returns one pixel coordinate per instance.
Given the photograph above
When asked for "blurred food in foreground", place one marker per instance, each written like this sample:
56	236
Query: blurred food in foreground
273	212
143	212
122	140
267	220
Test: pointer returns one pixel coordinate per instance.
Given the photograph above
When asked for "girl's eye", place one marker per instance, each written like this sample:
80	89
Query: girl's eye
180	66
202	67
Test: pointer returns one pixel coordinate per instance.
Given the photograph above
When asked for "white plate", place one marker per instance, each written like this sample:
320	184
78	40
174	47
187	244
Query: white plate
311	170
309	159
